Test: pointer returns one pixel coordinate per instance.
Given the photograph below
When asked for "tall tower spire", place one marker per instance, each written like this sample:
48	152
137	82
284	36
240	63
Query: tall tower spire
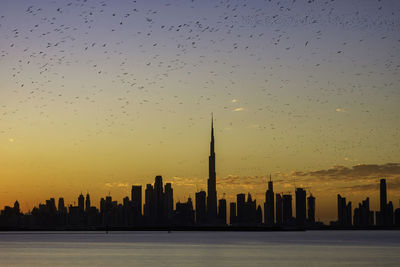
212	136
211	183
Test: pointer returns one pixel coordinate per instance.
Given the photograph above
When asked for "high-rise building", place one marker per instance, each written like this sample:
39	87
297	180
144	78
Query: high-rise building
246	210
81	203
344	212
341	203
383	196
311	209
232	213
279	208
169	200
389	218
184	213
348	218
363	216
148	204
300	206
240	202
397	217
269	204
51	205
61	205
211	183
385	215
222	211
87	207
287	209
159	200
250	216
136	199
201	207
158	207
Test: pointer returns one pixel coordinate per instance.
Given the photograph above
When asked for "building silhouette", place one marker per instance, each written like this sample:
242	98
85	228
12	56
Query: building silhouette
232	213
383	196
136	204
169	201
158	202
311	210
344	212
300	206
269	204
201	217
241	206
81	203
385	216
279	209
363	216
184	213
287	210
222	212
87	203
211	183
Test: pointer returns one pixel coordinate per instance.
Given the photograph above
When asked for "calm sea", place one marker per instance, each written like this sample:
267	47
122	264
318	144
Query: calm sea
311	248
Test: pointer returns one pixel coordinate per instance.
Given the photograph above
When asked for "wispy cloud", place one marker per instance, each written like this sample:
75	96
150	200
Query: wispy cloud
361	177
360	170
117	184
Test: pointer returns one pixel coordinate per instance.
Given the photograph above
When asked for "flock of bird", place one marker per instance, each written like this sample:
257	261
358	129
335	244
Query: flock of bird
113	61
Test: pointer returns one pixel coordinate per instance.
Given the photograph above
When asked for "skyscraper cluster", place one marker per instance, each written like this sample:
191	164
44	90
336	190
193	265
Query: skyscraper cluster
364	216
158	209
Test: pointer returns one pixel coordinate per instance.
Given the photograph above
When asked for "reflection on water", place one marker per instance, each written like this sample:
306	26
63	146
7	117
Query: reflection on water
312	248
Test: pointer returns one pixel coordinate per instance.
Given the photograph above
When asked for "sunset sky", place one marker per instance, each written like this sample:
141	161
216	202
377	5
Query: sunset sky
96	96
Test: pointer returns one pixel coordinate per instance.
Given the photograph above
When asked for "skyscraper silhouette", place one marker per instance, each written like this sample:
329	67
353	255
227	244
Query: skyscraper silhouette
222	211
240	202
279	209
344	211
269	204
200	207
211	183
169	200
136	203
287	209
81	203
311	209
383	196
87	203
300	206
232	216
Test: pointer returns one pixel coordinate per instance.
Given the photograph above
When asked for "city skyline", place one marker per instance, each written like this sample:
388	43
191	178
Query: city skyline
158	208
158	212
97	96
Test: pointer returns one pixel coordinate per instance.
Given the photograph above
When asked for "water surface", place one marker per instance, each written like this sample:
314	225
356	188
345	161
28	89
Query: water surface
311	248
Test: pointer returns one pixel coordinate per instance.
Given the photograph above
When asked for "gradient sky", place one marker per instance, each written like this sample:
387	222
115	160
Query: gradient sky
98	95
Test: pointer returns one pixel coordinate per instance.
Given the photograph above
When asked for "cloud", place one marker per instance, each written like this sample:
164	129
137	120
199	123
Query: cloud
117	184
234	100
361	177
341	110
360	170
238	109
